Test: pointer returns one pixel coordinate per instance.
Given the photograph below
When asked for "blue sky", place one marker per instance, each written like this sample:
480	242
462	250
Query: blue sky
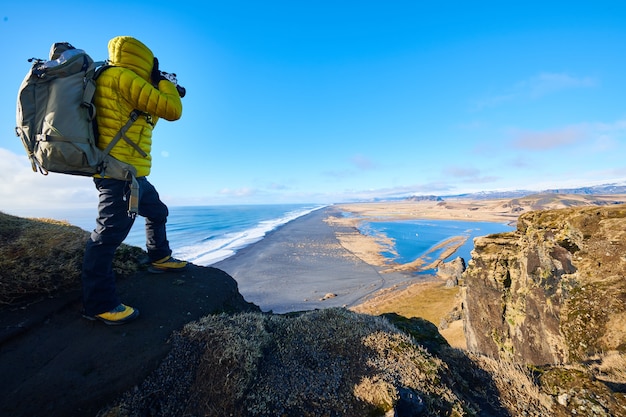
333	101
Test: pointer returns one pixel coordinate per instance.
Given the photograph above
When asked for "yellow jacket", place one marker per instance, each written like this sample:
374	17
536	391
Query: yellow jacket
125	87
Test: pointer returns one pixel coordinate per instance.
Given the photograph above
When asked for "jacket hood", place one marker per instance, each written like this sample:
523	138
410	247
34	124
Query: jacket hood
128	52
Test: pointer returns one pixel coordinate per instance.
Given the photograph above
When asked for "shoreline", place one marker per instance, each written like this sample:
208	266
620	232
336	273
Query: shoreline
428	298
370	248
321	260
302	265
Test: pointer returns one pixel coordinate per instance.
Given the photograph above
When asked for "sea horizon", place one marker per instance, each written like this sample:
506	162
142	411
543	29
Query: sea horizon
205	235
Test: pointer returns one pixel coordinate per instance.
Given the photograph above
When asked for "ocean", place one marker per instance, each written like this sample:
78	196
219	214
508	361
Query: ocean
205	235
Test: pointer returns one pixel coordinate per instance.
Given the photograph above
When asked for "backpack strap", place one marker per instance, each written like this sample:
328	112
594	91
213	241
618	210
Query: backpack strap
91	74
90	89
121	134
133	201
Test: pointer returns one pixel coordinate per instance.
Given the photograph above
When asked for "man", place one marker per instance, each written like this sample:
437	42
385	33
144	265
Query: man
133	83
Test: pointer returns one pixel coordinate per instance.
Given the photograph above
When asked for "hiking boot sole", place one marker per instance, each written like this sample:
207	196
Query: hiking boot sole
155	270
114	322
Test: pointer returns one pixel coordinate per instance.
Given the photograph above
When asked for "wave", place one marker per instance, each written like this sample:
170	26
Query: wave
203	235
220	246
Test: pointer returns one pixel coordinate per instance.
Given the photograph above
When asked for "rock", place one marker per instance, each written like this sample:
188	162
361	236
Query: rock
452	316
551	292
410	404
451	271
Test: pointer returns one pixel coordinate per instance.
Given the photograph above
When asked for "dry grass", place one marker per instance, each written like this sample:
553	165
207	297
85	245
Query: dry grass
430	300
336	362
516	387
41	257
322	363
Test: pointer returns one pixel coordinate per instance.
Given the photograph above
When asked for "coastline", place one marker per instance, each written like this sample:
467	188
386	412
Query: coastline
369	248
302	265
321	260
428	297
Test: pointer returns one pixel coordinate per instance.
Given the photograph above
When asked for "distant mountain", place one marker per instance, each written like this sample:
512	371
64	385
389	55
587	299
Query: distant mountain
492	195
603	189
598	189
424	198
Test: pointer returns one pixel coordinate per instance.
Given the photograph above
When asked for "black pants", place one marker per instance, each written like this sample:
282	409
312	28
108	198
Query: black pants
113	225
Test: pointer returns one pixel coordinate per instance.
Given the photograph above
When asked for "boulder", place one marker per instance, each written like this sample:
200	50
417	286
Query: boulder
451	271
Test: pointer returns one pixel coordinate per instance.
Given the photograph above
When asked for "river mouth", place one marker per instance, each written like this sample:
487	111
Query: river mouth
418	246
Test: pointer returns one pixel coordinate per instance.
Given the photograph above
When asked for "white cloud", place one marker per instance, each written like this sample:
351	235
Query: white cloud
536	87
362	162
542	140
239	192
547	83
598	137
459	172
339	174
23	189
278	187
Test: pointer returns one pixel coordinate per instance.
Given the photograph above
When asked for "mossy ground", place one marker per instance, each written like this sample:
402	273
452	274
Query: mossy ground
39	257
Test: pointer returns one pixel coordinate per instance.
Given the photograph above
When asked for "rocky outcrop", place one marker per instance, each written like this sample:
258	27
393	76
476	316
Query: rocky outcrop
330	362
551	292
451	271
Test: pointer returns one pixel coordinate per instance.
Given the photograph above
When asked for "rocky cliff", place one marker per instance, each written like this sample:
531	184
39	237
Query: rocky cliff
551	292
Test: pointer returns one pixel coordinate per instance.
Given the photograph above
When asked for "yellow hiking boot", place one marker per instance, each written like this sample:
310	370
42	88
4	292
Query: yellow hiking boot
167	264
121	314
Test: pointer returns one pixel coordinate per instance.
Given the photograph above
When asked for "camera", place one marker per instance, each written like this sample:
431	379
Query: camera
171	77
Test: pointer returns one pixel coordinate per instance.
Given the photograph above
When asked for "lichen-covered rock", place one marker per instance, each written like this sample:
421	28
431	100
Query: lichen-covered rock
551	292
578	392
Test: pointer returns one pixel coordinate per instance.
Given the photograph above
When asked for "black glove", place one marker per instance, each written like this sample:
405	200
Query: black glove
156	74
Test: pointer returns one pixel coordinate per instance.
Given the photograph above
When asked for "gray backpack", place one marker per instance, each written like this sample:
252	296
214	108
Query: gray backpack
56	119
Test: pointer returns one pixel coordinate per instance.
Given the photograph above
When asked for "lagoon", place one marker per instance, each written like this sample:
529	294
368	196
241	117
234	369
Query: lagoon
412	239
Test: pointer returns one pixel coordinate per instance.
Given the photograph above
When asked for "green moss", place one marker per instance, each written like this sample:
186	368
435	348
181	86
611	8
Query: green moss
585	320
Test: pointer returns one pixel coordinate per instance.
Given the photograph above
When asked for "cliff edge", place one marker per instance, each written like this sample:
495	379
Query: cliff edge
551	292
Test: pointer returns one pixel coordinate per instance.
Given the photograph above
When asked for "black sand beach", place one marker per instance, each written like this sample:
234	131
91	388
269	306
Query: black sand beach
295	267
